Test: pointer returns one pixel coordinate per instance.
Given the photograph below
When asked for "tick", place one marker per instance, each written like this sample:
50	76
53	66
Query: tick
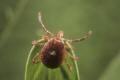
54	49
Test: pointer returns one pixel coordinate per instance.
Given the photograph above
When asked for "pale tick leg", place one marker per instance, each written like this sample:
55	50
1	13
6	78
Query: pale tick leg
72	57
44	28
37	44
81	39
70	47
35	58
68	65
45	38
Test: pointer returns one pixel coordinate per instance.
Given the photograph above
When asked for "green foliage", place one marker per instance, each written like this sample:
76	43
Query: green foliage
40	72
113	70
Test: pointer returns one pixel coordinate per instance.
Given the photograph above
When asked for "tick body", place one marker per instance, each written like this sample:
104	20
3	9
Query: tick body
54	49
52	54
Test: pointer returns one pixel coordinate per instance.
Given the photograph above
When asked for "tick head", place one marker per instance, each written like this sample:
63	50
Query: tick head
60	36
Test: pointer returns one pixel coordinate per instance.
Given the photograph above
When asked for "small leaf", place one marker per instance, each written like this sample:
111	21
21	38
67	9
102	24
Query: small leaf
40	72
113	71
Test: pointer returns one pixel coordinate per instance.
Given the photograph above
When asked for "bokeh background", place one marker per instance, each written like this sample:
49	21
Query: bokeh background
99	56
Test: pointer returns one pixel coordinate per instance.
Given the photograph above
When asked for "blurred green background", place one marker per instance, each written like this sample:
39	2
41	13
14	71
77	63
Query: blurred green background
99	56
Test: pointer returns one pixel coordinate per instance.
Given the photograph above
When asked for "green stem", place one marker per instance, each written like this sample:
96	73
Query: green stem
75	62
29	55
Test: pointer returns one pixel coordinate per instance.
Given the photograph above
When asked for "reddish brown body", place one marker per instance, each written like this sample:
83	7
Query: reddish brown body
52	54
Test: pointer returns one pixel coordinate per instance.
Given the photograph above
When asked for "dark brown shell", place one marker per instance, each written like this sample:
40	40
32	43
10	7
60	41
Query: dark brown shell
52	53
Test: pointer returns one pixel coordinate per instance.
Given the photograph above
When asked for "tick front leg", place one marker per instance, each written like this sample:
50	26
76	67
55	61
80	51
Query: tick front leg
35	58
37	44
44	28
68	65
81	39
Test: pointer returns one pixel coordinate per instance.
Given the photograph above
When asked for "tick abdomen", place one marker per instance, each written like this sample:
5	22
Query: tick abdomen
52	53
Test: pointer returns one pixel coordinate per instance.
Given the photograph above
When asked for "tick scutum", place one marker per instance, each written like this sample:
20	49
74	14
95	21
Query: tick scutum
52	53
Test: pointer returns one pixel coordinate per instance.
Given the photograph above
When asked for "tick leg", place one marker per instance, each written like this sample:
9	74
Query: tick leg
37	44
44	28
81	39
70	47
35	58
68	65
72	57
45	38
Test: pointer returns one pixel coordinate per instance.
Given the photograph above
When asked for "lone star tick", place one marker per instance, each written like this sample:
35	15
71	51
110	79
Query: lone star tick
54	49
